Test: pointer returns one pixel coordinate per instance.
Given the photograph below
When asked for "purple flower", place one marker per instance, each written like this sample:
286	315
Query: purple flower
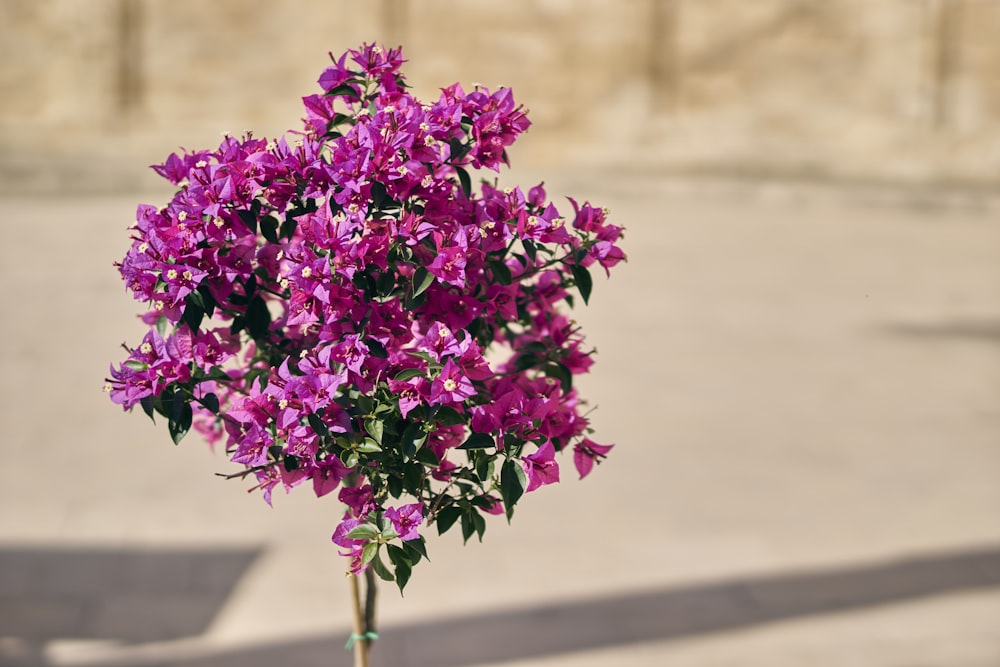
586	453
451	386
405	520
541	467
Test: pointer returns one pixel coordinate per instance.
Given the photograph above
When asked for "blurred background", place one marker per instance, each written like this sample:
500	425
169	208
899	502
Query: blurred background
799	365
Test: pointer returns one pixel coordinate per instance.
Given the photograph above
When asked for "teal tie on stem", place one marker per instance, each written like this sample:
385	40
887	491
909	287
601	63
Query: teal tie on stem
368	636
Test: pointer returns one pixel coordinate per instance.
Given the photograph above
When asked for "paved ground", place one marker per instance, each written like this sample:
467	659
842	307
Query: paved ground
804	386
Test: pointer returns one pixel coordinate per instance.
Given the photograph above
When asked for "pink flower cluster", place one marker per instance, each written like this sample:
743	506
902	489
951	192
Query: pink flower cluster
341	307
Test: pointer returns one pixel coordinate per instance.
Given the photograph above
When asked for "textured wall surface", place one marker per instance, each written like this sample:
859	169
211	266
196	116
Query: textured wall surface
885	90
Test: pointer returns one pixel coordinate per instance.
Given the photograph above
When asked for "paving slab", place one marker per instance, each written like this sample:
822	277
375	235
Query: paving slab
797	383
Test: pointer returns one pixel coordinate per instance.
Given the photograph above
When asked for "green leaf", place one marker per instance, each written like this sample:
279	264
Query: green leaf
364	531
407	374
529	249
343	90
395	485
416	549
179	427
317	424
468	526
446	518
412	439
413	477
448	416
427	456
258	318
464	181
478	441
369	446
376	348
288	227
404	566
385	284
375	428
147	406
479	523
511	485
484	466
193	315
381	570
269	228
161	325
249	219
560	372
422	279
211	403
501	272
369	552
584	282
136	365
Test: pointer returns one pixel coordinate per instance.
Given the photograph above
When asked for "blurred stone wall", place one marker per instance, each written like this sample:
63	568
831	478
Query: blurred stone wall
902	91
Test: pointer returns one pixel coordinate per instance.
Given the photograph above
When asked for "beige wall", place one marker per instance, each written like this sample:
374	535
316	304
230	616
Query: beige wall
896	90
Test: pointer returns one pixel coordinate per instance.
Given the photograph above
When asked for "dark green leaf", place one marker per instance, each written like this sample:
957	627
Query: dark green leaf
248	219
416	549
448	416
211	403
446	518
501	273
478	441
468	525
511	486
407	374
343	90
288	227
377	349
364	531
529	249
413	438
395	485
584	282
479	523
269	228
193	315
427	456
381	570
179	427
147	406
290	463
422	279
412	477
258	318
560	372
404	566
465	181
317	424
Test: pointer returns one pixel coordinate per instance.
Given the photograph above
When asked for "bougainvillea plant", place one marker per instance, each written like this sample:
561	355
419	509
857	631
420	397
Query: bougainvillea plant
346	311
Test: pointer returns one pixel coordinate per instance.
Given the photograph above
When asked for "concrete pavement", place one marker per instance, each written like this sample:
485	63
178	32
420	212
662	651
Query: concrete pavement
803	384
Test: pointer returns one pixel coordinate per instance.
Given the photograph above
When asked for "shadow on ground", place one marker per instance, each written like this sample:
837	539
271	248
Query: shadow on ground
481	638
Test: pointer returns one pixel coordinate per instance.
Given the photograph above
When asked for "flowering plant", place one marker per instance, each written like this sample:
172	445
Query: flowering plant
342	308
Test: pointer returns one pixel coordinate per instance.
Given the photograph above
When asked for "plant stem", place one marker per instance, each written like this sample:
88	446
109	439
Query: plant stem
371	592
360	645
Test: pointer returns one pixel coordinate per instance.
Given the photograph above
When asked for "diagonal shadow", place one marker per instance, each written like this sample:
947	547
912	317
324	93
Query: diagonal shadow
130	595
983	330
635	617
